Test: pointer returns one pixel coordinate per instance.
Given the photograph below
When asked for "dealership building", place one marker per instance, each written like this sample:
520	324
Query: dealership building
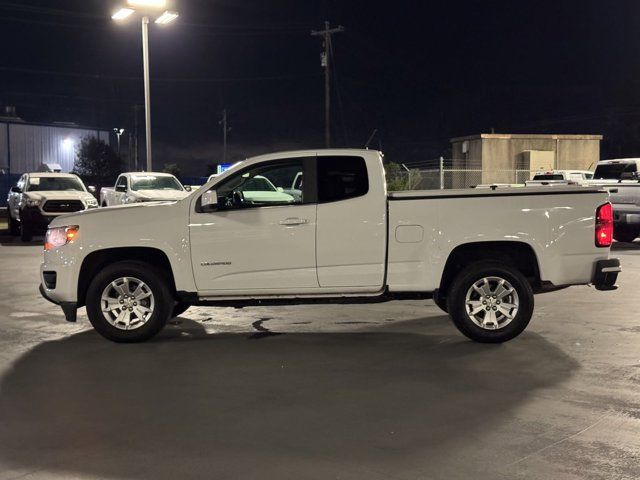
25	147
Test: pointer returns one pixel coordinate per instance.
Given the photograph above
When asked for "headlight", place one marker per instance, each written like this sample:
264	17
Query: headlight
32	202
92	202
59	236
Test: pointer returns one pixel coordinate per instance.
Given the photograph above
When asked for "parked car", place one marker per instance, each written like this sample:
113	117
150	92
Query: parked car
481	254
560	177
621	177
38	198
259	189
136	187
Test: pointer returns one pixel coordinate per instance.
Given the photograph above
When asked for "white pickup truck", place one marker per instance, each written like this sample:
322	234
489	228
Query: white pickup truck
136	187
480	254
621	178
38	198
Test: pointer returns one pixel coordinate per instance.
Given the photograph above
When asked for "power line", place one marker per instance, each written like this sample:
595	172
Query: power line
99	76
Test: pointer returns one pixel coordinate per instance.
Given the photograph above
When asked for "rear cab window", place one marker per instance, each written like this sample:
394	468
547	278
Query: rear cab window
613	171
341	178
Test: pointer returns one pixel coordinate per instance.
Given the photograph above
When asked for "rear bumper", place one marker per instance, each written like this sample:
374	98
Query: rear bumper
606	273
626	215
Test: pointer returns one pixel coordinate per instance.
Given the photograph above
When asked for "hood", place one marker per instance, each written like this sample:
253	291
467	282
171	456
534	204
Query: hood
58	195
108	214
161	195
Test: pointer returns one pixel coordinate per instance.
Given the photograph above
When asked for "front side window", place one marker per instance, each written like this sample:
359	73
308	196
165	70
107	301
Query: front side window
262	186
48	184
341	178
154	182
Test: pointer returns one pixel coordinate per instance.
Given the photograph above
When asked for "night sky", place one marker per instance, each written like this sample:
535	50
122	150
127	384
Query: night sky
419	72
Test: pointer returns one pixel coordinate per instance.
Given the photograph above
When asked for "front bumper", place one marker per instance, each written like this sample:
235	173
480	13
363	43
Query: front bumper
606	273
36	221
70	309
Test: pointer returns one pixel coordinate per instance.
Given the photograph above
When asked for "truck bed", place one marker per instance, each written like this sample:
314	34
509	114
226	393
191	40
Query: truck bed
491	192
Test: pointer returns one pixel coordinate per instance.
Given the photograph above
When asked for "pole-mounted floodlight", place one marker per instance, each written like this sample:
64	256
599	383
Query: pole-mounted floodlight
166	17
123	13
148	3
147	8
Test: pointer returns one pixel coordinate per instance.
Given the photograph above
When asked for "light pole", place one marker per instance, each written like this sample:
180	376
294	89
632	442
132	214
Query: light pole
146	8
118	132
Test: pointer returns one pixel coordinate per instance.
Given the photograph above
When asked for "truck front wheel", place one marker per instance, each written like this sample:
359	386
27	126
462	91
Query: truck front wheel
129	302
490	302
26	234
14	225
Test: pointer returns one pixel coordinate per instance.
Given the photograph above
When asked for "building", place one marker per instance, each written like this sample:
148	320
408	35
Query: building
25	147
509	158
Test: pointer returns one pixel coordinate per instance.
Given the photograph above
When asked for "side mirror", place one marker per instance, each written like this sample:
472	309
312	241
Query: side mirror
209	201
121	188
91	189
187	188
16	189
280	189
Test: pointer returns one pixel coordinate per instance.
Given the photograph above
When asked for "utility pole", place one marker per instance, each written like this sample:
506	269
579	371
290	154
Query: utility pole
325	62
225	130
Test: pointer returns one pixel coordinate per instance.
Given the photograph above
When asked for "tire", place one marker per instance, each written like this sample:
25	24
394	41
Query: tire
180	308
26	235
155	282
498	328
625	234
440	301
14	226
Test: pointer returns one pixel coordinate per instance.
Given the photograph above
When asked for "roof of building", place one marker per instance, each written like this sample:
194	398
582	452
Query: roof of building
517	136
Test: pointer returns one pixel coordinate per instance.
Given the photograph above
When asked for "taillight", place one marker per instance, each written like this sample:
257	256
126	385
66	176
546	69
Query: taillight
604	225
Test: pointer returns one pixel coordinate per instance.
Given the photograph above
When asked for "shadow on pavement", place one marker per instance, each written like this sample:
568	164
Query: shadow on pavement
296	405
8	240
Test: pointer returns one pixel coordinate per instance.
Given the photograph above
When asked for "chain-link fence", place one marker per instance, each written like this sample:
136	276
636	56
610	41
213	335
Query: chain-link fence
444	175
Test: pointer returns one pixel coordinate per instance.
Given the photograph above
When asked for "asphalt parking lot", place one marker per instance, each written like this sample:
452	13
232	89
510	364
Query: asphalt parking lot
386	391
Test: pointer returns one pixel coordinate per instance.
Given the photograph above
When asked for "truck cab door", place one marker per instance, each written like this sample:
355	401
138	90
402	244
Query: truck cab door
258	239
352	222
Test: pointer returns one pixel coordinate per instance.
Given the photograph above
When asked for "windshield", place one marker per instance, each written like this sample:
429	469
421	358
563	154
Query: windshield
612	171
48	184
549	176
153	182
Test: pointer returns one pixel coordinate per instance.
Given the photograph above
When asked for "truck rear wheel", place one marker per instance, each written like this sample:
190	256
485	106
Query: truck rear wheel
129	302
490	302
625	234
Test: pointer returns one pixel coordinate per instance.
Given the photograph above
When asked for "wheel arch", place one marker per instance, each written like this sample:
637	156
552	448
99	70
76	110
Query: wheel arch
516	254
97	260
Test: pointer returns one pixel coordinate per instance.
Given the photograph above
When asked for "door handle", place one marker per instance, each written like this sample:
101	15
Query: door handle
293	221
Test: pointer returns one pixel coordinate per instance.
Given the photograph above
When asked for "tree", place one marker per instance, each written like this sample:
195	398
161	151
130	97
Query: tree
96	162
172	168
400	179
